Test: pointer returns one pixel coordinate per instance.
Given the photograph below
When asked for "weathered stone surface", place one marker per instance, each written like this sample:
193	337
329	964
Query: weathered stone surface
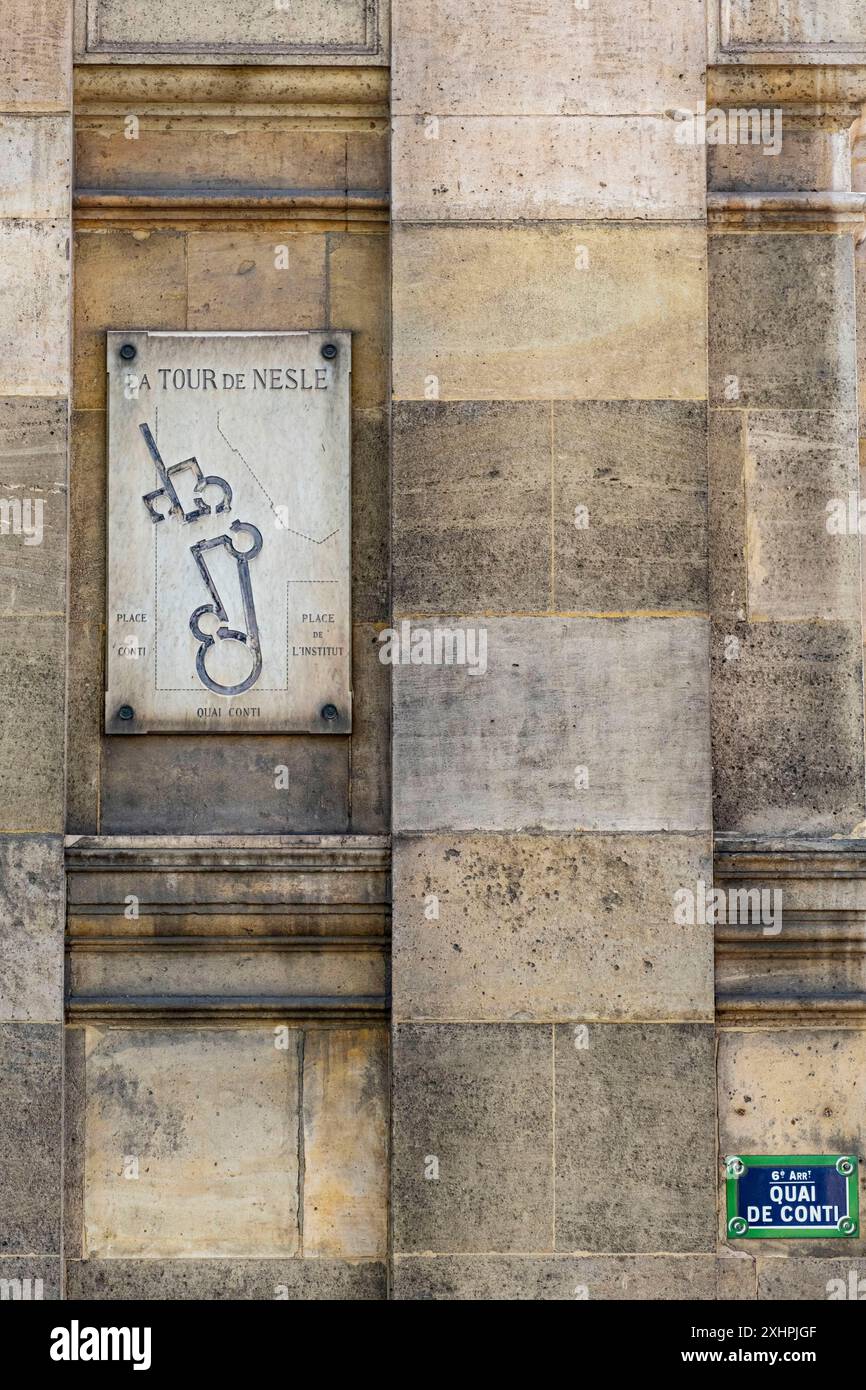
787	723
726	534
370	747
639	468
266	278
317	26
495	168
548	927
637	1099
30	1138
620	704
31	928
32	505
210	1117
253	153
781	322
510	1278
471	499
31	730
34	63
303	1280
74	1141
34	293
84	714
34	166
358	299
798	472
477	1100
789	1092
187	784
781	1278
122	280
493	58
370	515
549	312
793	24
29	1279
345	1141
87	512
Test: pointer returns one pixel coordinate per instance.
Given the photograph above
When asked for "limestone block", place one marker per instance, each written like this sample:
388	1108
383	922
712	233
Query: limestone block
34	62
540	927
794	1091
471	518
558	312
122	280
227	1280
630	505
31	928
370	515
30	1139
495	168
370	749
32	505
493	58
34	166
781	322
358	299
233	784
31	730
590	724
34	294
30	1279
176	153
795	473
345	1142
787	723
812	1279
592	1278
328	26
85	706
472	1137
635	1138
208	1120
794	24
260	279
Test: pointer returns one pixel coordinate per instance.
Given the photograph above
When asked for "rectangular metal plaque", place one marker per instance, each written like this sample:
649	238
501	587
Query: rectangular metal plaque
791	1196
229	532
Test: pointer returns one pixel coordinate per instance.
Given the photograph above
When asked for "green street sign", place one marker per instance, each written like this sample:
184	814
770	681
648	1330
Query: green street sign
792	1197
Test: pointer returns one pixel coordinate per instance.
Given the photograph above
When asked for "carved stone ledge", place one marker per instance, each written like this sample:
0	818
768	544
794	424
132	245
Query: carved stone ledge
830	211
282	927
812	971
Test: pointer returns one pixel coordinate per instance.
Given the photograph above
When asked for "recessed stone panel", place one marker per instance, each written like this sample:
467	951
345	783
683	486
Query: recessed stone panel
191	1143
566	1278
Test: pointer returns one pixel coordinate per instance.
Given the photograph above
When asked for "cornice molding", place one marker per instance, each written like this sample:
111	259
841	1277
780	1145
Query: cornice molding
827	211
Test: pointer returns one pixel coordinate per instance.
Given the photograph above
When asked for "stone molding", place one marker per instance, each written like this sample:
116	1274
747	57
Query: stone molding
825	211
812	972
232	927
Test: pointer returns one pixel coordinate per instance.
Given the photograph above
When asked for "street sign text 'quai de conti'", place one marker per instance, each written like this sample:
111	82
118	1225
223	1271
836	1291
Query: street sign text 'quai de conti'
773	1196
229	532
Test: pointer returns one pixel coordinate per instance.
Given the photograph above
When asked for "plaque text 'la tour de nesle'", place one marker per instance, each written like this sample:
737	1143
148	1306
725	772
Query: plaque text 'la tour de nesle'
229	532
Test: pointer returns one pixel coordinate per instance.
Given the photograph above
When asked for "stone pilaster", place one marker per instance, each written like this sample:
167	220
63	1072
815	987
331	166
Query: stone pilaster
35	139
549	499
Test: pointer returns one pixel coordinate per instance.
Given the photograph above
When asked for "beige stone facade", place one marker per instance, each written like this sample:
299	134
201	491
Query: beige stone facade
372	1015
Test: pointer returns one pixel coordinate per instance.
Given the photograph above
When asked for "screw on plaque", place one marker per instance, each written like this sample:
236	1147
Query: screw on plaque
847	1225
734	1167
126	712
737	1226
330	712
127	352
329	351
845	1166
